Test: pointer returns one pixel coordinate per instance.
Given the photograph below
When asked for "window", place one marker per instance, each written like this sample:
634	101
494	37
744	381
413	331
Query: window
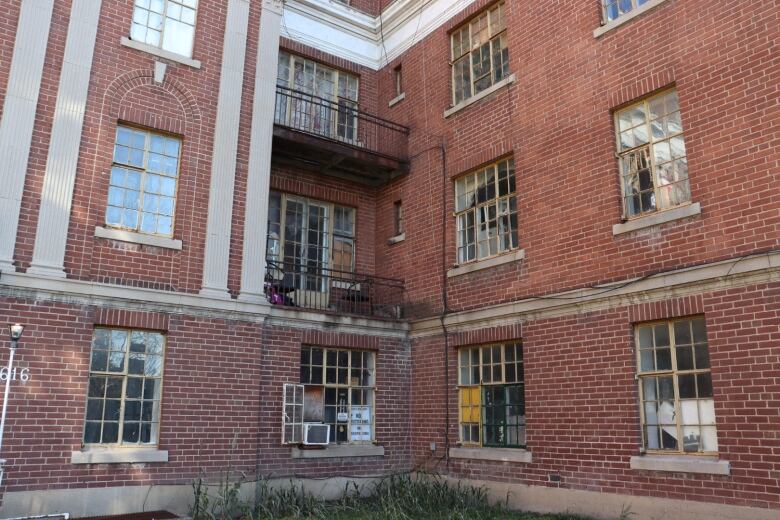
317	99
675	387
654	167
399	85
398	215
486	212
125	386
614	9
311	236
339	391
168	24
480	57
492	395
142	190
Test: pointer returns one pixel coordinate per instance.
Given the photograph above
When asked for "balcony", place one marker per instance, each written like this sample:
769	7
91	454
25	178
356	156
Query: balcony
337	139
317	288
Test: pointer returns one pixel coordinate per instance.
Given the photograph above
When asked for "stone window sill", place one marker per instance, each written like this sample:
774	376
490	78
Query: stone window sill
626	17
400	97
492	454
138	238
681	464
507	258
160	53
655	219
396	239
118	456
338	451
482	95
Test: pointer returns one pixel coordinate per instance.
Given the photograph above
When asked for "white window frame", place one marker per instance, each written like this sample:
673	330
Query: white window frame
648	149
675	373
144	171
468	54
166	4
635	4
125	375
509	198
348	406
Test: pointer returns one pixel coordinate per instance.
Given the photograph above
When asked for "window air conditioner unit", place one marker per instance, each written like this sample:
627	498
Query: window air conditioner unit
316	434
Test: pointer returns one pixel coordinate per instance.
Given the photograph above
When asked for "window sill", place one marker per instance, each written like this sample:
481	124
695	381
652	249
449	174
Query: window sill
507	258
626	18
662	217
396	239
138	238
338	451
400	97
492	454
161	53
117	456
681	464
482	95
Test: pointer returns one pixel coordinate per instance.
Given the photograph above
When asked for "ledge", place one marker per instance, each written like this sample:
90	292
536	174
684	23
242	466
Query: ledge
397	99
482	95
337	451
661	217
506	258
396	239
138	238
617	22
492	454
681	464
161	53
118	456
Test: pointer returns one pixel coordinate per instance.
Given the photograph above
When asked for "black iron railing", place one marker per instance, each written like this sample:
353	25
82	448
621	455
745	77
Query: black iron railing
340	121
313	287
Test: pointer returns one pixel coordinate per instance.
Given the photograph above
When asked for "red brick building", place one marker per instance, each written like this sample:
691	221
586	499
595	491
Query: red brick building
535	247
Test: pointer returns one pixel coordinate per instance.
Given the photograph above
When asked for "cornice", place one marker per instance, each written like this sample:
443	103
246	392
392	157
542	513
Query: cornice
342	31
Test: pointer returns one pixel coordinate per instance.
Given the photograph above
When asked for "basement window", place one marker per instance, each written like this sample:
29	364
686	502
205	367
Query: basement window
492	396
652	156
480	56
675	387
339	389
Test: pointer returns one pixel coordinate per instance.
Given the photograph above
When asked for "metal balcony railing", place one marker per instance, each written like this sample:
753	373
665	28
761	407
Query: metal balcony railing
313	287
342	122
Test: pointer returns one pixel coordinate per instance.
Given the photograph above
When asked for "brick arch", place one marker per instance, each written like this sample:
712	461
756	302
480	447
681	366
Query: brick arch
135	97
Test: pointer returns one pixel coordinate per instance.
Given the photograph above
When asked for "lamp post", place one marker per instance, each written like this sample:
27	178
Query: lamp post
16	331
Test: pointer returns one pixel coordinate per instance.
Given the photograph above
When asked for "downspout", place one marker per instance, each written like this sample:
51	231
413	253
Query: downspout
445	304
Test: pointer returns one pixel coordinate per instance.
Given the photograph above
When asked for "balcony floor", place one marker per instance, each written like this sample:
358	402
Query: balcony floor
334	158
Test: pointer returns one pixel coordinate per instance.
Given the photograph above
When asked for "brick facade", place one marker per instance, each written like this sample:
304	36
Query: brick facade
226	361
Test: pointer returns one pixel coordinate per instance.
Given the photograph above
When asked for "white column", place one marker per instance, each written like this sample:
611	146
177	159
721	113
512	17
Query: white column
259	175
16	127
54	219
223	160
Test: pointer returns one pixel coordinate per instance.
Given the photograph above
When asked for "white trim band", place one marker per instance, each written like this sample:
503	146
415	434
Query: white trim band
478	97
160	53
507	258
655	219
123	235
343	450
681	464
492	454
118	456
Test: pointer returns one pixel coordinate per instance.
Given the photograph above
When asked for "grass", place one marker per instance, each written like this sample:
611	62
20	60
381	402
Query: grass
393	498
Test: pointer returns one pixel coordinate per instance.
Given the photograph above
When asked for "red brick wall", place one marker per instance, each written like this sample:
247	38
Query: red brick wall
9	14
557	121
221	402
582	405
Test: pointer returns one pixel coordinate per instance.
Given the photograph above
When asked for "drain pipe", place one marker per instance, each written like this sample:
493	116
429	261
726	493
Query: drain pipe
445	303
